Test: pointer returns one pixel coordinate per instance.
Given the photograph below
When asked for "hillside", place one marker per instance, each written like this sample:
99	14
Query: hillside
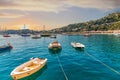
109	22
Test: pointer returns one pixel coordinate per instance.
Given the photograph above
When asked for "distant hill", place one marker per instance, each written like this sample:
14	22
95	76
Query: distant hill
109	22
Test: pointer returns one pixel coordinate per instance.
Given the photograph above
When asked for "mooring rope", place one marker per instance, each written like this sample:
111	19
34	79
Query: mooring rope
62	68
112	69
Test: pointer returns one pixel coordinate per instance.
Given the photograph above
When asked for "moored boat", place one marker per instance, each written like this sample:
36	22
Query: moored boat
25	35
87	35
55	45
36	36
77	45
116	34
52	36
45	35
6	35
5	47
28	68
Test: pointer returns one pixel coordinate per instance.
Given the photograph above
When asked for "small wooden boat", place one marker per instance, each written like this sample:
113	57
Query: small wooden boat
36	36
5	47
55	45
28	68
77	45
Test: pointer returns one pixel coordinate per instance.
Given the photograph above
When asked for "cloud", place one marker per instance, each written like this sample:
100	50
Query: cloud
8	15
34	5
98	4
56	5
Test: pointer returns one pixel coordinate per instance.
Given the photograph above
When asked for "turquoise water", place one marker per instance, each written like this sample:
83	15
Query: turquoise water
99	61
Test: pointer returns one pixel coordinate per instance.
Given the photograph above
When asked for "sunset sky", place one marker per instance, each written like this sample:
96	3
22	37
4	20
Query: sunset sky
52	13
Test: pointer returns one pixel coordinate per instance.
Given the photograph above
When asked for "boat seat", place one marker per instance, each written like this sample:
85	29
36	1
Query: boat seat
26	68
35	62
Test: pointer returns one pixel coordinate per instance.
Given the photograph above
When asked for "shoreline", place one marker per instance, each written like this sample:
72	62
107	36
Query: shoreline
93	32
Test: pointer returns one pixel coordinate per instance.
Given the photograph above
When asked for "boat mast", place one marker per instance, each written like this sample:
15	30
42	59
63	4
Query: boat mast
24	27
0	29
4	28
43	28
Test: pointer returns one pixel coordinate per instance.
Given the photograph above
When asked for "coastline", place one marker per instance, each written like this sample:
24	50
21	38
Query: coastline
93	32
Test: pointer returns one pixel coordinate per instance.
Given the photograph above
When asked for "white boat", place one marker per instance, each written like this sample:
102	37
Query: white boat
28	68
116	34
36	36
87	35
77	45
53	36
54	45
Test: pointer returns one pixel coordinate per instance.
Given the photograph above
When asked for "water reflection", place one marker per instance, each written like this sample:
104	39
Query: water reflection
53	52
79	49
5	51
35	75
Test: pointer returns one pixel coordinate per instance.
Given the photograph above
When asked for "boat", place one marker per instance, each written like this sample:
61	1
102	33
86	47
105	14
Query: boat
25	35
28	68
77	45
52	36
36	36
116	34
5	47
87	35
25	32
55	46
45	35
6	35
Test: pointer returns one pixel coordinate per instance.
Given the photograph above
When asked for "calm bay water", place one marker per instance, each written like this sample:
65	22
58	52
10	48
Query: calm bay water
77	65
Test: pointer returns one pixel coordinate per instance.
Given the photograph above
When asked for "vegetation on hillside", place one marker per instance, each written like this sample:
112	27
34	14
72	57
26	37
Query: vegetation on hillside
110	22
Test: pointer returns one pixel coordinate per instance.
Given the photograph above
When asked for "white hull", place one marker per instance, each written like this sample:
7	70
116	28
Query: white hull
53	36
28	68
36	36
77	45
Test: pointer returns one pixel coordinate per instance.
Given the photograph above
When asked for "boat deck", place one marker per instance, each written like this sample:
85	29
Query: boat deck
32	66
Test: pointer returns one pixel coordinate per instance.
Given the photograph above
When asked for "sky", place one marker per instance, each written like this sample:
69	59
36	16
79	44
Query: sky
52	13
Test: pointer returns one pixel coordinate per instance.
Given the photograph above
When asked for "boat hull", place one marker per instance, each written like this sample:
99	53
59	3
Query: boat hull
45	35
25	35
6	36
36	37
54	47
77	46
28	73
5	48
55	51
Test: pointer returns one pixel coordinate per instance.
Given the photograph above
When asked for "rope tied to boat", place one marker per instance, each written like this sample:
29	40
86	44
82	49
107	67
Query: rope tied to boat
112	69
66	78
